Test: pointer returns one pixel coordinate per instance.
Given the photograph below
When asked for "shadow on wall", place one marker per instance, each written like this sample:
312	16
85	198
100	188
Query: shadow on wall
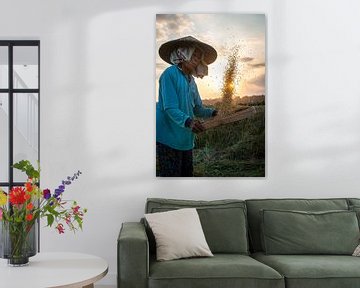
67	65
113	5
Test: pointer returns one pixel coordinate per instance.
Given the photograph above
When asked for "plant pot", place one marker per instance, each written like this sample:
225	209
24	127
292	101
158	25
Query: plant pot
17	242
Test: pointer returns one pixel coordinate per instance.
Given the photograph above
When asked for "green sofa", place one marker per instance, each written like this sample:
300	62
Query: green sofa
258	243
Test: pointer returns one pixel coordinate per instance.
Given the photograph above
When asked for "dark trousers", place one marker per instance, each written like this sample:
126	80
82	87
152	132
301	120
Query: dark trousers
172	162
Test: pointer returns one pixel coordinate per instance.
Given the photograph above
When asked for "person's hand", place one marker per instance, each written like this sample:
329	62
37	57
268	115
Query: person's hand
196	126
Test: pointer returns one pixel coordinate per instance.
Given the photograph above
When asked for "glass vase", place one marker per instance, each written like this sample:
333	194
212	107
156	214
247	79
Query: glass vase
18	242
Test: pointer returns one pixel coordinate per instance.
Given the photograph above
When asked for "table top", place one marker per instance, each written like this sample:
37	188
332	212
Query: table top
67	270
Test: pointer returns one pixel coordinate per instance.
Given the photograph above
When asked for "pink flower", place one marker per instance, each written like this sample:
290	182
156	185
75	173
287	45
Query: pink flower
60	228
68	219
1	212
75	209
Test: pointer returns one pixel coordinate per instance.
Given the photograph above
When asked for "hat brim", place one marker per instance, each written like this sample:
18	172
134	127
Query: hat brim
167	48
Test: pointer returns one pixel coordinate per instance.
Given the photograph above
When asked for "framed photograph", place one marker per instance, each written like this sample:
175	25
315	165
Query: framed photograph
210	95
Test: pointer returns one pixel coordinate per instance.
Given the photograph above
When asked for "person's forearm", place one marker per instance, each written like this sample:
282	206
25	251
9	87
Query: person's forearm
203	112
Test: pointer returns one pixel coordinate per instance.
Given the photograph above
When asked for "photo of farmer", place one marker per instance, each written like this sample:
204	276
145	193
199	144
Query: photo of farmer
179	103
206	126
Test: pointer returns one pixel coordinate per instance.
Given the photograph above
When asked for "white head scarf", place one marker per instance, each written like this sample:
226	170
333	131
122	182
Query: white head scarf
181	54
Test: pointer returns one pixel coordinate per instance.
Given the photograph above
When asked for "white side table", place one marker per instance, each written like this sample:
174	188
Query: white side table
50	270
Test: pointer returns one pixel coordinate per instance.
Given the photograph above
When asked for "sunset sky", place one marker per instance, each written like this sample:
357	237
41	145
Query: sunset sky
224	32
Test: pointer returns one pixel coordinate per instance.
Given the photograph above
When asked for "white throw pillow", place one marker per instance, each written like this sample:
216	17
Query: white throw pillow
357	251
178	234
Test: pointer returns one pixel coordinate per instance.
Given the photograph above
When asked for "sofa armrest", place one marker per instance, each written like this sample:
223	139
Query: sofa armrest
133	256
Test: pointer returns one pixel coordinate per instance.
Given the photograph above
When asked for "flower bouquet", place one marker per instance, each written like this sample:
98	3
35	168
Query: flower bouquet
23	206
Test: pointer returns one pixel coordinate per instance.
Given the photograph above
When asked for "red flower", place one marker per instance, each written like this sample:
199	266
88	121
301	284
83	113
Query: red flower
29	206
28	186
60	228
27	196
29	217
17	196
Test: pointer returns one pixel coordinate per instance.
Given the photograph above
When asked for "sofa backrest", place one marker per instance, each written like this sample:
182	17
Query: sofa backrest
254	207
353	202
223	221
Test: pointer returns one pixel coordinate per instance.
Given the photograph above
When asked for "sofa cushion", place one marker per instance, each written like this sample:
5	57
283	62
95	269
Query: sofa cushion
356	209
313	271
353	201
222	270
298	232
254	216
223	221
178	234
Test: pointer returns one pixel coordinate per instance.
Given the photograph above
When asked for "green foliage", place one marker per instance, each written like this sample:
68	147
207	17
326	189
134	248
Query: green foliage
26	166
50	219
233	150
27	203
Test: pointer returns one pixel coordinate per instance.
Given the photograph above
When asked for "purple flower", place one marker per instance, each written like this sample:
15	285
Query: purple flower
58	193
46	194
68	181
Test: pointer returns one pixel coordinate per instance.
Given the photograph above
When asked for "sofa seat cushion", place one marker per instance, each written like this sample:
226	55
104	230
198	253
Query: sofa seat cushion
222	270
313	271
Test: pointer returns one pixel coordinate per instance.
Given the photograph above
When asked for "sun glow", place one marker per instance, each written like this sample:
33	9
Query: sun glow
244	33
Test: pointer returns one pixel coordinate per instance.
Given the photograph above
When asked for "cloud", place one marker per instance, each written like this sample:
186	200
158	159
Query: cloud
246	59
172	26
160	67
258	80
257	65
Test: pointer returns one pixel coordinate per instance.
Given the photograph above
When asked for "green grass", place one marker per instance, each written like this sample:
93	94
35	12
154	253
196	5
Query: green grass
233	150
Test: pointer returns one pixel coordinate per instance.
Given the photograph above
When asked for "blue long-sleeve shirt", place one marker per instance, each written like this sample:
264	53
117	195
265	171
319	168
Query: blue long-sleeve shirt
179	99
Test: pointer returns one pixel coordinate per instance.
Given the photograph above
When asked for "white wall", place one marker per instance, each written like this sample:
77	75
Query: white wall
98	100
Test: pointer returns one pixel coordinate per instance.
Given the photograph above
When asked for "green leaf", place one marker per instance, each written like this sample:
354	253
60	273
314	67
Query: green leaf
28	168
53	211
22	164
79	221
50	219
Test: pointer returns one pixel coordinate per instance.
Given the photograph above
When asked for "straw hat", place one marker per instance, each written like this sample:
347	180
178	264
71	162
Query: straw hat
165	49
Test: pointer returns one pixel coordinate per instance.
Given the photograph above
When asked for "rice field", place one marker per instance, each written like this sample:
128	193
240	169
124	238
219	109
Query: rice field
236	149
233	150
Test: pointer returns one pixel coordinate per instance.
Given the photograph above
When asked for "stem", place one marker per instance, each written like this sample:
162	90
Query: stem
18	239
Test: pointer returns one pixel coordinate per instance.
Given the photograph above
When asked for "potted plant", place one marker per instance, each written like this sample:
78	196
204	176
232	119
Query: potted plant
21	208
